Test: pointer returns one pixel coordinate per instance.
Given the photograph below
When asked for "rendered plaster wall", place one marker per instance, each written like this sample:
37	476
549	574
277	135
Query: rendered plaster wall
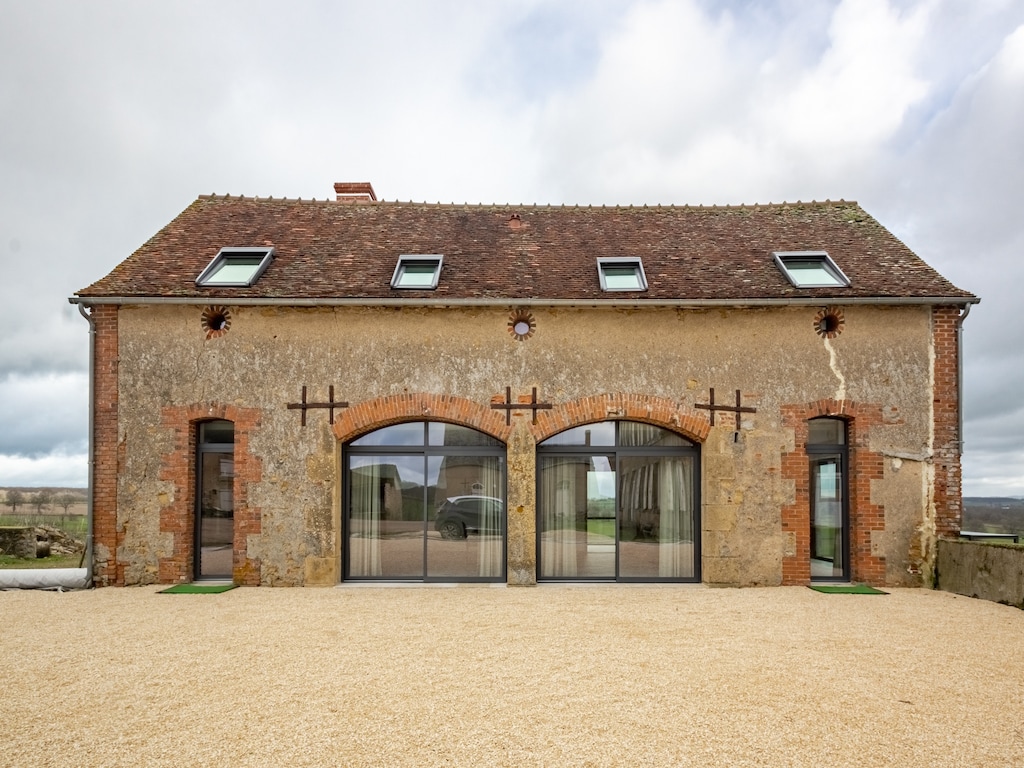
773	356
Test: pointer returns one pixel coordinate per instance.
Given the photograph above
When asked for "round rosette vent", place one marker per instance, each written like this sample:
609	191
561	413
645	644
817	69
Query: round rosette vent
216	321
521	324
829	322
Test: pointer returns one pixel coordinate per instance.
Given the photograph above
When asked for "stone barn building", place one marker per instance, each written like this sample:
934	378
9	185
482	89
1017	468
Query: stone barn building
293	392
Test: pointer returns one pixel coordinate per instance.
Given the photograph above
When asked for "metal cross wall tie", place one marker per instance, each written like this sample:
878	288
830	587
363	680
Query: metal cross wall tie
736	409
508	406
304	406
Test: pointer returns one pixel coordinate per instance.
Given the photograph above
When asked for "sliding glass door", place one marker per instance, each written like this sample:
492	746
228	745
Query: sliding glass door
425	502
618	501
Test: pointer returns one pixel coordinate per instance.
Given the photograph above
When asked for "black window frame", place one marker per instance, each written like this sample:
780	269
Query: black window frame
496	449
842	450
617	450
203	447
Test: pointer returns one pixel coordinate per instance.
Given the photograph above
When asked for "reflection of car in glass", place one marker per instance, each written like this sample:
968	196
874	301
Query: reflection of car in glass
460	515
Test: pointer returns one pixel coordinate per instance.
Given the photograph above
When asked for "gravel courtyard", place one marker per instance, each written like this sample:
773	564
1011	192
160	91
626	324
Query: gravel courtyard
493	676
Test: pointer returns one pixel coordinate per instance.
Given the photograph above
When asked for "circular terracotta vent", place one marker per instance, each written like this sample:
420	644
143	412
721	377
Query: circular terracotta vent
521	324
216	321
829	322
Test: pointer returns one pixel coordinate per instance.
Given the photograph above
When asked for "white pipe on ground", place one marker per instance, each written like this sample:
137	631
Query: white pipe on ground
44	578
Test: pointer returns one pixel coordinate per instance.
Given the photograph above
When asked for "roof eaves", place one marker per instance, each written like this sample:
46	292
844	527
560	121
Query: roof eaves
804	301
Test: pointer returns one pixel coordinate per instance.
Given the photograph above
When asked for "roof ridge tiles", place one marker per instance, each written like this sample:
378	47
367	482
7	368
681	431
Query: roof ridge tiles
258	199
541	206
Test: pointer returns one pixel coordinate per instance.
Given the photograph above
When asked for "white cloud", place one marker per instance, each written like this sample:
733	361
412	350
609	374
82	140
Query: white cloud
988	473
50	414
684	106
115	115
845	106
57	470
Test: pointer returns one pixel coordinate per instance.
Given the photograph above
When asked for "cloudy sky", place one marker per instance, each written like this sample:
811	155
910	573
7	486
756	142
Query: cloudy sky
114	116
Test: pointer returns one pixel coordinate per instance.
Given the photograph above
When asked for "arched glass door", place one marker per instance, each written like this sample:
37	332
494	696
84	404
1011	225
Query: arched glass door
425	501
618	500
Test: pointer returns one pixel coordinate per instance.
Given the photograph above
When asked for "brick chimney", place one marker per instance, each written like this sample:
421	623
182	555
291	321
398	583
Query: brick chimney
355	192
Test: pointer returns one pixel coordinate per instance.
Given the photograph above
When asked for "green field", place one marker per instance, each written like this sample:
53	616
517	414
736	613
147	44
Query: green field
73	525
54	561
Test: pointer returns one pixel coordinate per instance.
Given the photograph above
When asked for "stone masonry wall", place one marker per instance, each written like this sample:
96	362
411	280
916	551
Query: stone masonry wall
589	364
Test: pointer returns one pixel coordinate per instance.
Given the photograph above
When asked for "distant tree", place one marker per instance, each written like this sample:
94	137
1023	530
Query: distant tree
66	499
14	498
41	499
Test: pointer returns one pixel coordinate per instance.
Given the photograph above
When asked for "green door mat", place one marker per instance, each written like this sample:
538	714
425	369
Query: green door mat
196	589
847	589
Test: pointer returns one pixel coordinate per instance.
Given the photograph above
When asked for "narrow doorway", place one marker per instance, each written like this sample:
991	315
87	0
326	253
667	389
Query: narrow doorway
830	518
215	500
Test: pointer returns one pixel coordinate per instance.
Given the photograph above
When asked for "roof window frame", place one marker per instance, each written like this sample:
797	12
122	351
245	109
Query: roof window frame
828	265
405	259
621	261
225	255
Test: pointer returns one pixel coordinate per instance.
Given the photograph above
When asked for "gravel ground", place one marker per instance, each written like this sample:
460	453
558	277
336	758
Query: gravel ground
494	676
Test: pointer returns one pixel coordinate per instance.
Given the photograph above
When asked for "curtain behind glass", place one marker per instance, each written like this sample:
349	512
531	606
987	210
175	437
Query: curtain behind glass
367	483
636	434
558	517
492	527
465	531
656	509
675	537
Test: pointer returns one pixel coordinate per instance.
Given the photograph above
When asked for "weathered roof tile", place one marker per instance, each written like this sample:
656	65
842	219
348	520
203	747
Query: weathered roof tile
329	250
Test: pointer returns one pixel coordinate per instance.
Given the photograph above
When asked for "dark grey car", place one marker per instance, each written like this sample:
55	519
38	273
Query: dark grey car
459	516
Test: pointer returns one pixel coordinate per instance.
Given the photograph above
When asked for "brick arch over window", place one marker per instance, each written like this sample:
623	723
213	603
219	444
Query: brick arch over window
865	465
383	411
660	411
178	466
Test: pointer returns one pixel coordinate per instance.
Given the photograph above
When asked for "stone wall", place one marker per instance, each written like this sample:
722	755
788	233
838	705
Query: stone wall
37	541
989	570
386	363
18	541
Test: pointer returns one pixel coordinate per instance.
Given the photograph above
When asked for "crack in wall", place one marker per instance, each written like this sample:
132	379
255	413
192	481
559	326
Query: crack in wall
198	382
833	363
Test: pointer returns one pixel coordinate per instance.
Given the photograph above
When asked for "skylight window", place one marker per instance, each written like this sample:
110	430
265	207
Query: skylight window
419	271
810	269
235	268
621	274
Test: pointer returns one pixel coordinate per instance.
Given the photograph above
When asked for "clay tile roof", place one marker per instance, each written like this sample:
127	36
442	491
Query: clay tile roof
330	250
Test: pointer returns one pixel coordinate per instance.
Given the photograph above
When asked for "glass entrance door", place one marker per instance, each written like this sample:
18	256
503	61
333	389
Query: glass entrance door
827	453
617	501
215	501
577	521
829	529
827	559
425	502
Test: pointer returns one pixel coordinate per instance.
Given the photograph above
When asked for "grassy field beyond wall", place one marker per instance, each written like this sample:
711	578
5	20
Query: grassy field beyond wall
62	509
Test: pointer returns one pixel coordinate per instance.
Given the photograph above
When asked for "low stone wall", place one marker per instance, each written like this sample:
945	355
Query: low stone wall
989	570
37	541
18	541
